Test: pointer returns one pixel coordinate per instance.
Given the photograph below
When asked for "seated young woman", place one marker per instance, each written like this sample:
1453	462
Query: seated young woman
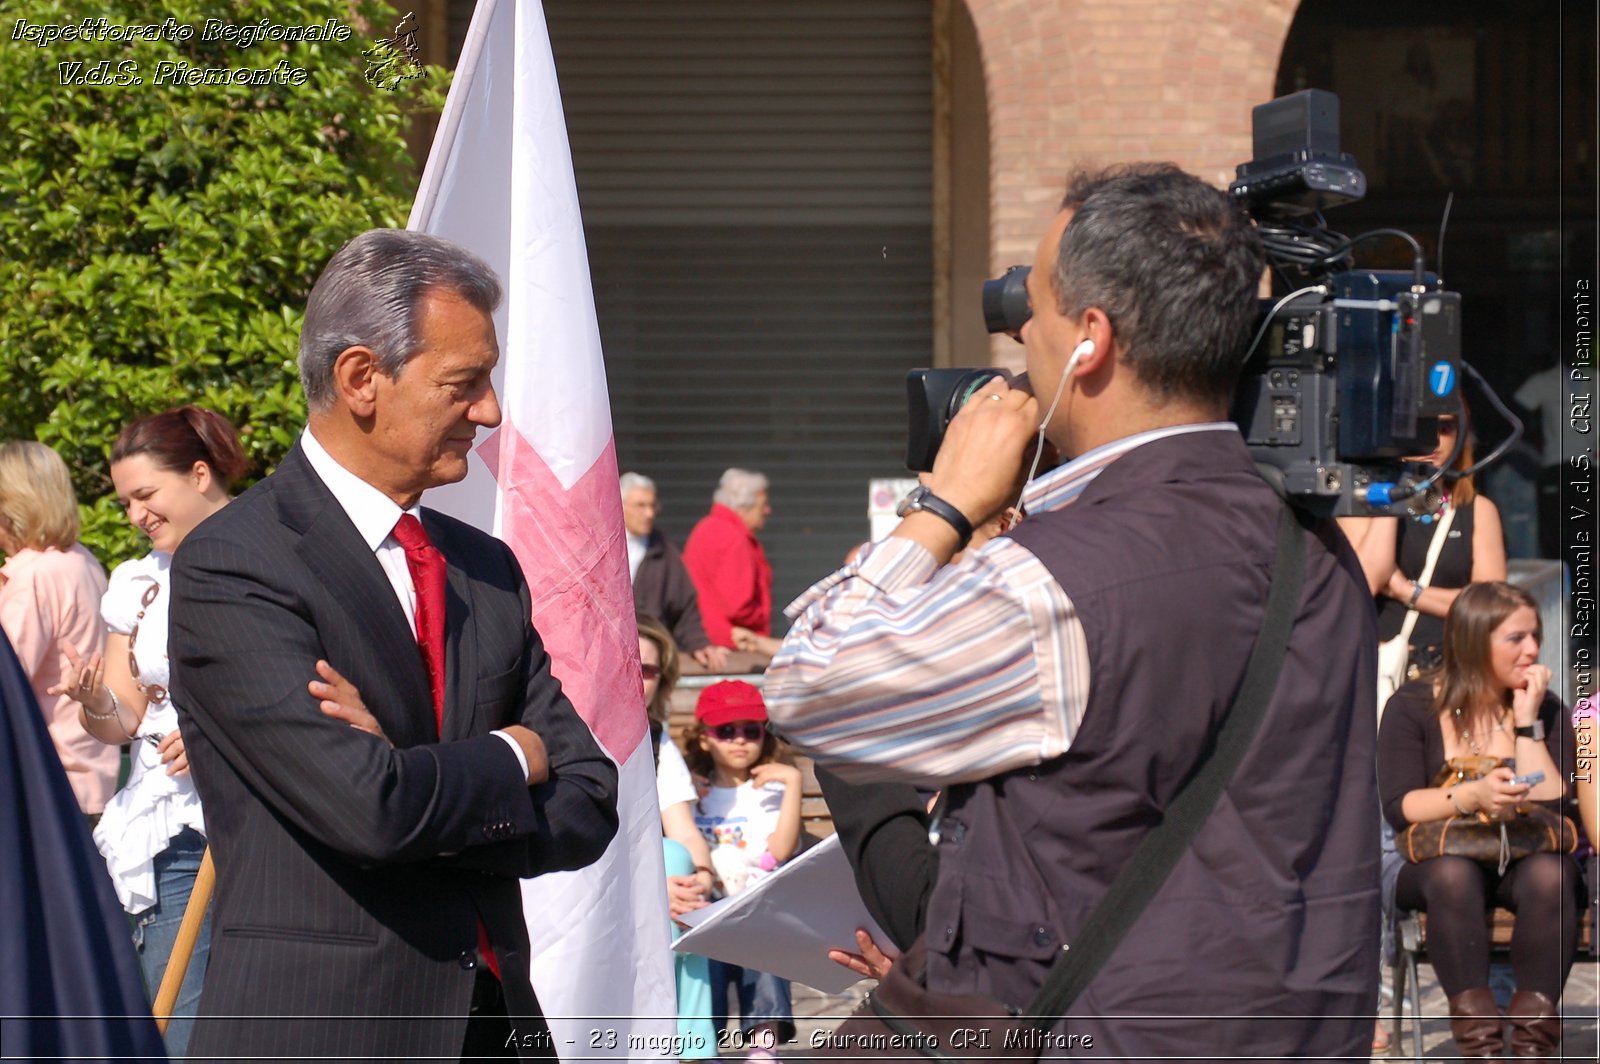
1489	697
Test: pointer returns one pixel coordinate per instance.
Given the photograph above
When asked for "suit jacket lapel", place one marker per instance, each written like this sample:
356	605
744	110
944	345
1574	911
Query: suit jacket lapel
460	643
342	563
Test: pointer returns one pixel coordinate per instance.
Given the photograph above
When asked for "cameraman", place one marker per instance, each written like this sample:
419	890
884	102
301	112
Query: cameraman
1063	681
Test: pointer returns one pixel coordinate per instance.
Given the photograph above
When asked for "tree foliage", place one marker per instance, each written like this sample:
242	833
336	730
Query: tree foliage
160	239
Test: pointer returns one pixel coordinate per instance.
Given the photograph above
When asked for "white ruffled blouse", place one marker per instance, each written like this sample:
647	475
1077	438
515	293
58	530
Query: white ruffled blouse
143	818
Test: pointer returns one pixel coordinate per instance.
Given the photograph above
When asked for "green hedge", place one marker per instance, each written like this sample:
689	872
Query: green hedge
159	240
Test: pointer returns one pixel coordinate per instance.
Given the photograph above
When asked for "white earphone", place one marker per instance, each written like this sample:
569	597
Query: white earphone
1082	351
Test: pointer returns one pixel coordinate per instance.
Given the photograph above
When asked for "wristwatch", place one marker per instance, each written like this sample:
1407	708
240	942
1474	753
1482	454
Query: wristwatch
1534	731
923	499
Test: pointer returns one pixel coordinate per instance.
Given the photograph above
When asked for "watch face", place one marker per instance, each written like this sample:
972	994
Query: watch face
912	501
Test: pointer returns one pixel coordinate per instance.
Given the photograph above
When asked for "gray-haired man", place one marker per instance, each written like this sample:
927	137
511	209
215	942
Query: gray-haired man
662	587
367	875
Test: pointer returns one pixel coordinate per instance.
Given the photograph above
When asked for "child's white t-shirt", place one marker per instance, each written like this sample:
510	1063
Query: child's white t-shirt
736	822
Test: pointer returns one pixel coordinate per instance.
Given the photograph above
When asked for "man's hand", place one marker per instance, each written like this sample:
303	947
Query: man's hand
872	962
711	657
533	750
338	698
981	465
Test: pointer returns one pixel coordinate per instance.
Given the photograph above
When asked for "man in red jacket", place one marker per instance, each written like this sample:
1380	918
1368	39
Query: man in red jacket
725	560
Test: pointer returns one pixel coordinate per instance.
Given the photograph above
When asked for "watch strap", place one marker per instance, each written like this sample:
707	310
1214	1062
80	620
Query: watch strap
1534	731
928	502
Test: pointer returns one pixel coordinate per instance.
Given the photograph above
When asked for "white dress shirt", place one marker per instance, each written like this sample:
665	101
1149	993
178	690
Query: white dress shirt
637	545
375	514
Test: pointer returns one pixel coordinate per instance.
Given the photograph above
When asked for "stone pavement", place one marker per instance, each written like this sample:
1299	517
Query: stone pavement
815	1011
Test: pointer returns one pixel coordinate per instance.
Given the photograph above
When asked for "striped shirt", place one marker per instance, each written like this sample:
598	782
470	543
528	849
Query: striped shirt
896	668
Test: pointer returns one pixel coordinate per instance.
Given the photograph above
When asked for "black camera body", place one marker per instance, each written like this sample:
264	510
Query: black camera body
1346	377
933	396
1344	386
1349	375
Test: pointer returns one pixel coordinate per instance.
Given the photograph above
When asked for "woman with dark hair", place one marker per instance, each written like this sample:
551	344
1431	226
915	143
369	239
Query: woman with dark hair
171	471
1489	698
1474	551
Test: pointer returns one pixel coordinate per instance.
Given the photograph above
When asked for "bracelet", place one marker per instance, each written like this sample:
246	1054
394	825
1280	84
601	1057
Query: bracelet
1416	593
116	710
702	868
1452	796
115	714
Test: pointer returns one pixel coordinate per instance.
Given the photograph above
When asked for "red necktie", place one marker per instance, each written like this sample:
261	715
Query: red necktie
427	576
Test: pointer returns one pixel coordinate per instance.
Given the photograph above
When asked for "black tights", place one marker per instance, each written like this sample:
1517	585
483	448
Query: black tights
1542	889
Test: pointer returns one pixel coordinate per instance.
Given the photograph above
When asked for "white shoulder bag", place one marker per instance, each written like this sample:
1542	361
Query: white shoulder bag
1394	655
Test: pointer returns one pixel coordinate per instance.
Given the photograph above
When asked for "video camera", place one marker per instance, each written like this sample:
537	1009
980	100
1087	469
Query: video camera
1347	374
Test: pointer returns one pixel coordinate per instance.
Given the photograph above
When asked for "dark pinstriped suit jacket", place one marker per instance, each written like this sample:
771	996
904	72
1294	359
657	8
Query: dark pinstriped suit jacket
351	876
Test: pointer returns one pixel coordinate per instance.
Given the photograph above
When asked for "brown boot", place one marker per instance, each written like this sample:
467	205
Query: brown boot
1535	1025
1476	1023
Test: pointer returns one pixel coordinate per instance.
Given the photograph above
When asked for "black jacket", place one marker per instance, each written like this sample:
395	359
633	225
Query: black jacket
351	876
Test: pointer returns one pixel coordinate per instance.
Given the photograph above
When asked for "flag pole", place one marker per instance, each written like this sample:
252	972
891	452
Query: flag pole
194	916
444	137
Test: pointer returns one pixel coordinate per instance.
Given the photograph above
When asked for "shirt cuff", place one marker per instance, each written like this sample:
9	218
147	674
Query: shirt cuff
516	748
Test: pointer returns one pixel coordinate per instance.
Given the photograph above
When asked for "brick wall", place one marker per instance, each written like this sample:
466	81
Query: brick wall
1084	83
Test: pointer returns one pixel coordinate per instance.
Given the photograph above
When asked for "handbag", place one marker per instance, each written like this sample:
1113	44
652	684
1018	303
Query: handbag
1480	837
1394	655
903	1019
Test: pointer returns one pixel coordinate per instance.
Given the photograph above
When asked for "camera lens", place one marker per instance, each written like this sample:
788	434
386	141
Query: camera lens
1005	302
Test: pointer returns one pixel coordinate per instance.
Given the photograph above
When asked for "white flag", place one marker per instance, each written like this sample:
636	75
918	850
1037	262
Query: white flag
499	182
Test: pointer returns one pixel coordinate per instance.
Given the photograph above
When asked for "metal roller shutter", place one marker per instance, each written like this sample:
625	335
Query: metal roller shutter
756	187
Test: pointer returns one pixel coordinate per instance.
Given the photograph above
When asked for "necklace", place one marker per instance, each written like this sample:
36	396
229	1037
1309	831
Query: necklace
154	692
1472	738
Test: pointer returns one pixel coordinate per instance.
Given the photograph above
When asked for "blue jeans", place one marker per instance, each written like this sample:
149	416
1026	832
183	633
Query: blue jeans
156	929
763	999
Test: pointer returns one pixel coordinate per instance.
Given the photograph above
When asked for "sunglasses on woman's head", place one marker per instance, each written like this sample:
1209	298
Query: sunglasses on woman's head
650	671
751	732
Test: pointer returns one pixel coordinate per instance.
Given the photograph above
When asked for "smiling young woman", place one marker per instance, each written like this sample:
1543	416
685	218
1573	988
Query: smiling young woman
171	472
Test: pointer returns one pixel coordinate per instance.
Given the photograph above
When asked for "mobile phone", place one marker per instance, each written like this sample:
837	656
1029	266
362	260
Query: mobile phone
1532	779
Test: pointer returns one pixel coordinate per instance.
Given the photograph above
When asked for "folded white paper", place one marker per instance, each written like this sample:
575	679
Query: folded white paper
785	923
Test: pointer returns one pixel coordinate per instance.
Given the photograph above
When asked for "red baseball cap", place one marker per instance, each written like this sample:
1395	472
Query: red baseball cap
728	701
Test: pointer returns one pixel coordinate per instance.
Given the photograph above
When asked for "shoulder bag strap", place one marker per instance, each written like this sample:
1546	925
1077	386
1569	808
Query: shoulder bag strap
1435	545
1158	854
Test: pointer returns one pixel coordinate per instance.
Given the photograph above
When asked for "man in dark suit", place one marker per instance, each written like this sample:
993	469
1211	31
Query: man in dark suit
367	877
661	585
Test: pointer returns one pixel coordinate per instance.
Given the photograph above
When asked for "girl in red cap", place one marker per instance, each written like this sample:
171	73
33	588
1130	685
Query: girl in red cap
751	818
